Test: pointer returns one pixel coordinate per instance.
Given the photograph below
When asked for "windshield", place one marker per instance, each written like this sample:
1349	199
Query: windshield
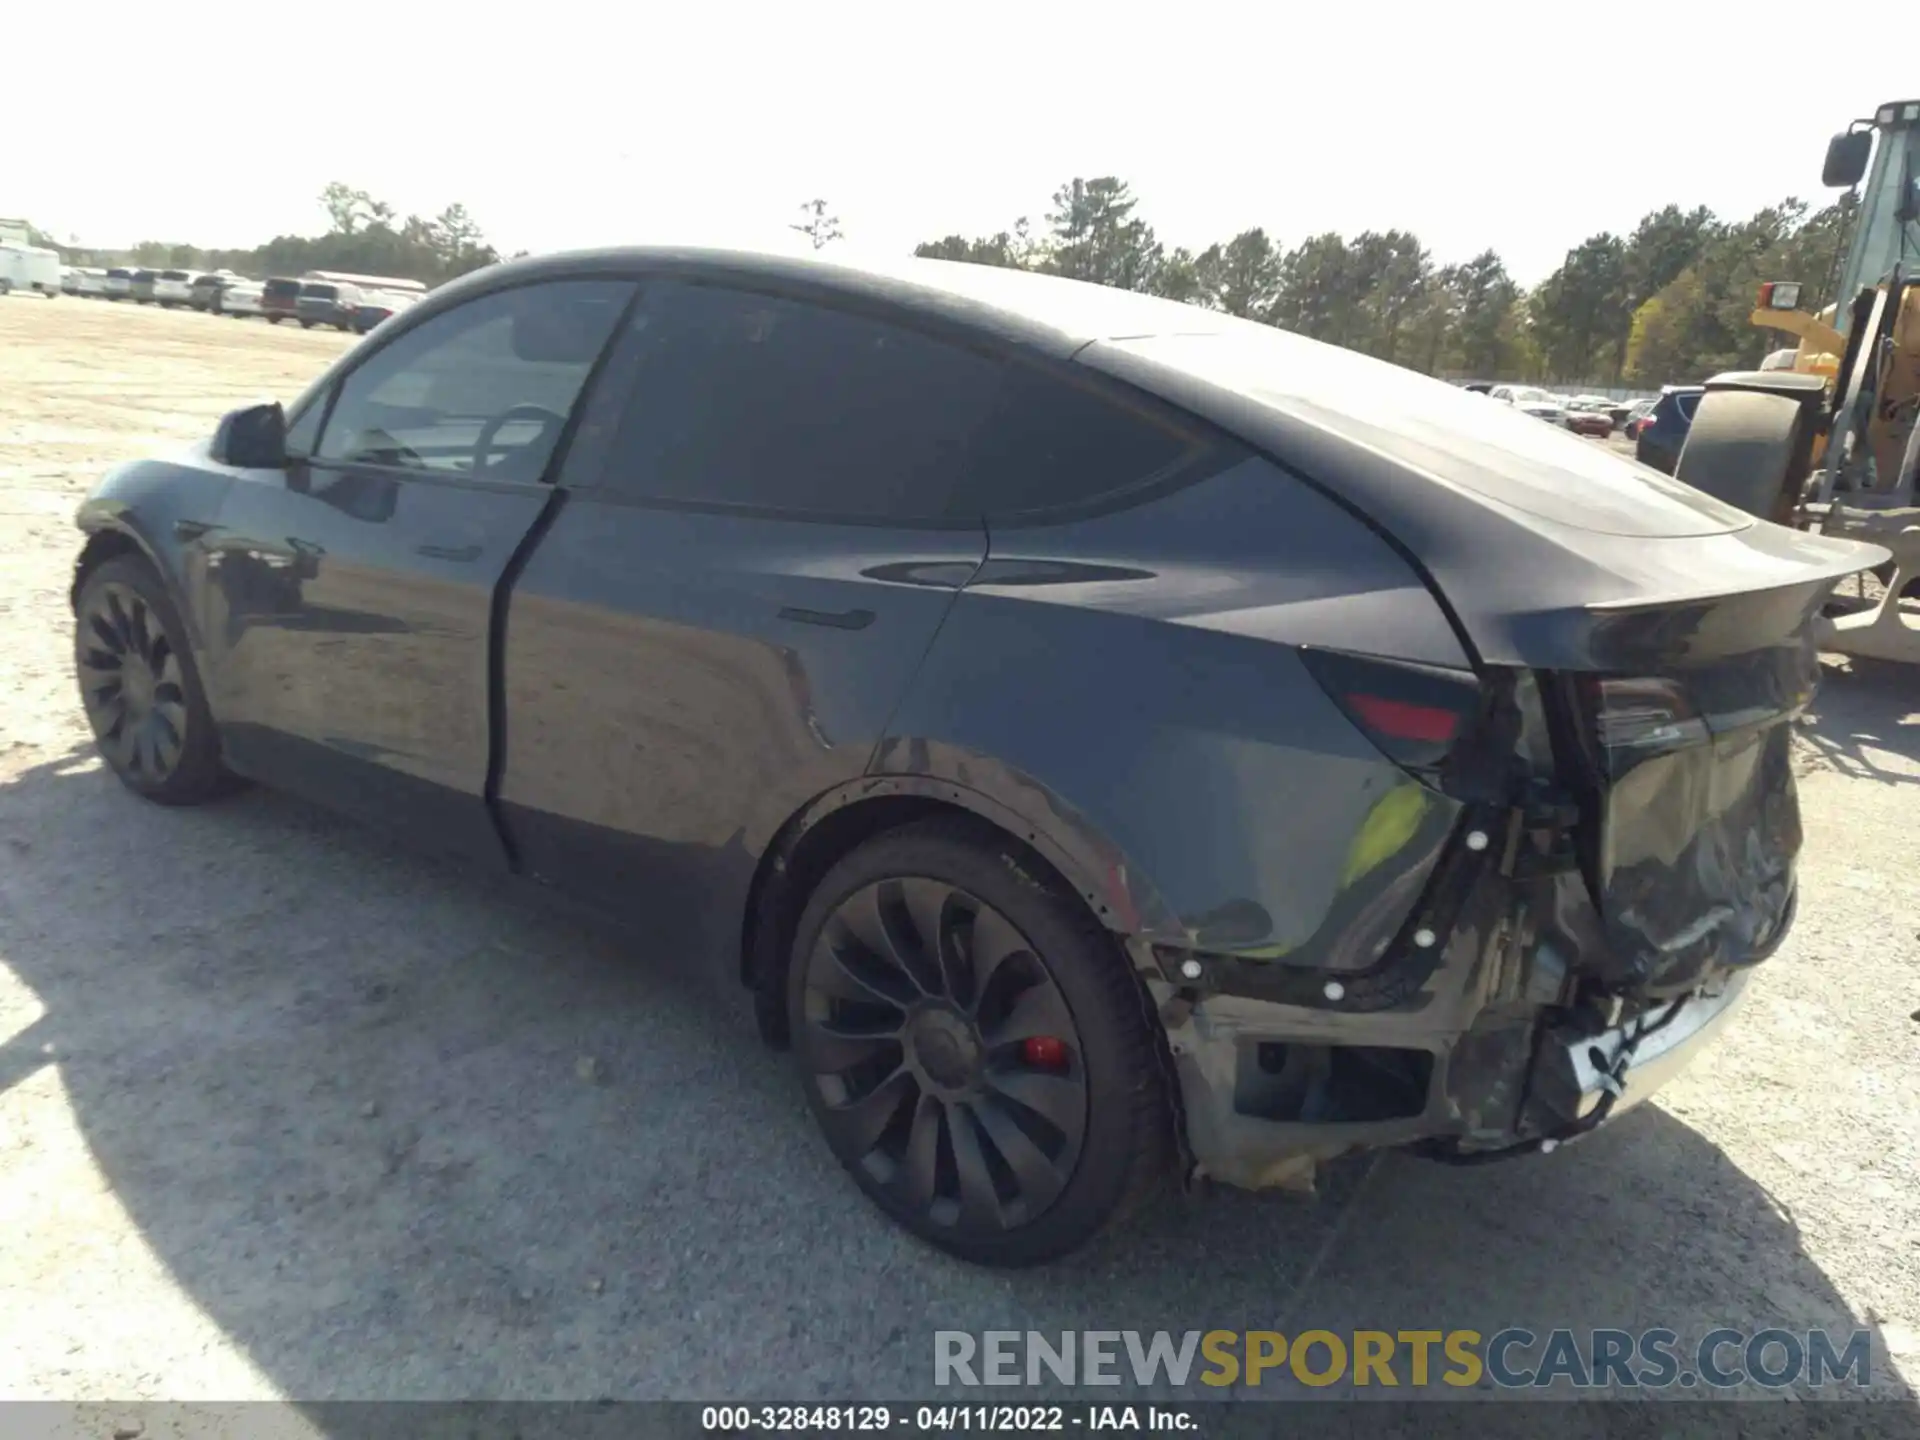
1881	240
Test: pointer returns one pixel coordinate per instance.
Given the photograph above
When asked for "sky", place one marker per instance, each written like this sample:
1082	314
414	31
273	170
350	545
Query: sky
558	124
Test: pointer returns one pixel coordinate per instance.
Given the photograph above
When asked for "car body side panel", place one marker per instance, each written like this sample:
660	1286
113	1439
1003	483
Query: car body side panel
678	685
350	638
1154	716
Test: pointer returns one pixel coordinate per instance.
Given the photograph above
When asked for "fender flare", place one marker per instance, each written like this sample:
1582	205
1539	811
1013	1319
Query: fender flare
115	533
1114	893
1119	897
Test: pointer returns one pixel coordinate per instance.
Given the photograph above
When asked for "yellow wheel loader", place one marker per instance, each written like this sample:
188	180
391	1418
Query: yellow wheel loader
1829	442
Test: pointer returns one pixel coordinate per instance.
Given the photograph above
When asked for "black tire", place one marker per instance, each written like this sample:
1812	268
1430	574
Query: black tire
275	319
1080	1141
160	742
306	324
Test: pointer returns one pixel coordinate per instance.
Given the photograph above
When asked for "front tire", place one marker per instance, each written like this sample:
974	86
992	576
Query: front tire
976	1049
141	690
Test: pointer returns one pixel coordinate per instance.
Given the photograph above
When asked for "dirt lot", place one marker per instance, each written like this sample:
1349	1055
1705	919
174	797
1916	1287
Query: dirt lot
284	1111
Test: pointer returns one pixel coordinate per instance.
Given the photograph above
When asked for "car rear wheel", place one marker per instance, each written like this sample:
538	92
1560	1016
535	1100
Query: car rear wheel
143	696
977	1051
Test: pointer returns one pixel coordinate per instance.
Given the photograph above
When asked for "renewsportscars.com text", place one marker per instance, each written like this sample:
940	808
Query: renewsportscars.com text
1513	1358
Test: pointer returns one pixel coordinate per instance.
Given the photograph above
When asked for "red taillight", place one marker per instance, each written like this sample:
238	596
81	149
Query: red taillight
1413	713
1400	720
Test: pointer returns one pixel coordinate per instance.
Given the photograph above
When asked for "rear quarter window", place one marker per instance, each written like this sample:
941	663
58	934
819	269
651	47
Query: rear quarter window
1055	443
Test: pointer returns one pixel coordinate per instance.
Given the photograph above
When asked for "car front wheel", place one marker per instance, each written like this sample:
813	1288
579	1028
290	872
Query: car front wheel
142	694
976	1049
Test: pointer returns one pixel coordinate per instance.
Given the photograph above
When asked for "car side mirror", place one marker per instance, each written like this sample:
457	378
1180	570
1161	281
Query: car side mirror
1846	159
254	438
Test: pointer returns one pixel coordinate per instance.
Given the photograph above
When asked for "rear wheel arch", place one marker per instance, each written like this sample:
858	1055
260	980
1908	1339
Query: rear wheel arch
834	825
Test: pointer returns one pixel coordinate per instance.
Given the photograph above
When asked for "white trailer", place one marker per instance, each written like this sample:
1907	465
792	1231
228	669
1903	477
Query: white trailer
30	270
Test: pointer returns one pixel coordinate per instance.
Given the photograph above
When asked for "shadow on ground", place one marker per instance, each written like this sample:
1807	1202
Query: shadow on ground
399	1134
1866	711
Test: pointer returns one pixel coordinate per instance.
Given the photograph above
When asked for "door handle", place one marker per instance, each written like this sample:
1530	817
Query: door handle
837	619
190	530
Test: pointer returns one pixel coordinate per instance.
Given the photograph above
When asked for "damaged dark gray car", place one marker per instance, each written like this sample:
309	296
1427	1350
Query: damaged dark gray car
1111	740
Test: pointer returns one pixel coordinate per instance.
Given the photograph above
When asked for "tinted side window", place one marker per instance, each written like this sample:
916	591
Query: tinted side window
1053	442
482	389
1687	405
741	399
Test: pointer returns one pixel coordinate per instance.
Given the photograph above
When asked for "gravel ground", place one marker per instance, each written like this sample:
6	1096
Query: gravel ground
285	1111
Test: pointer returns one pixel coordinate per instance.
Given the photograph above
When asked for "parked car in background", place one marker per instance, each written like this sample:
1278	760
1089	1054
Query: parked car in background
378	305
117	283
1541	404
278	296
1589	416
241	298
324	302
1617	409
1478	387
1637	415
140	285
30	269
69	280
1658	441
1479	868
205	292
89	282
173	287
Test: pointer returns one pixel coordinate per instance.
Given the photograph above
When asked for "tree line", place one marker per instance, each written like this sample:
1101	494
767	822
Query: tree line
1667	302
364	236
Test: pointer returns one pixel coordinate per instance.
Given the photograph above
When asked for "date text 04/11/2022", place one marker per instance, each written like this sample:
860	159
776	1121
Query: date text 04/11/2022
940	1419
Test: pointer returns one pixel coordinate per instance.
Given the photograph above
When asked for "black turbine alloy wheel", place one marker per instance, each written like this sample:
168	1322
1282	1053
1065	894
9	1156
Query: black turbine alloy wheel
132	683
948	1068
142	694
